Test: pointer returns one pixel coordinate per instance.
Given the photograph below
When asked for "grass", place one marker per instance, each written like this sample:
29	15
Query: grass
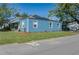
20	37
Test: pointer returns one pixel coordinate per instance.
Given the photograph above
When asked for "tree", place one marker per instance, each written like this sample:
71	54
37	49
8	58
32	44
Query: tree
21	16
5	14
66	12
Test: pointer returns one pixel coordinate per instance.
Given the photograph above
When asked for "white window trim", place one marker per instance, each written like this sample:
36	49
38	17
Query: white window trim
23	25
58	24
51	25
36	25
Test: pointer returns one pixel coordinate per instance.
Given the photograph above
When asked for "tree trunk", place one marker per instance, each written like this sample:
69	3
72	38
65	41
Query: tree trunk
75	19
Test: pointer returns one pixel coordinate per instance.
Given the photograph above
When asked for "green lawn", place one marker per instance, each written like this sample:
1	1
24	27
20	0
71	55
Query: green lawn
19	37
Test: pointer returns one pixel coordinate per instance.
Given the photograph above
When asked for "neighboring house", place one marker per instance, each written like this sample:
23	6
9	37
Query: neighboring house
12	24
73	26
36	23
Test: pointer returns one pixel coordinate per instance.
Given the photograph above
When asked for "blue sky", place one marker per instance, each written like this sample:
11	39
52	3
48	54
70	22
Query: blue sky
34	8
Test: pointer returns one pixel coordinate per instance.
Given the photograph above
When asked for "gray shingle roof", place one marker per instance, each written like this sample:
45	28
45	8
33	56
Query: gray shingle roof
37	17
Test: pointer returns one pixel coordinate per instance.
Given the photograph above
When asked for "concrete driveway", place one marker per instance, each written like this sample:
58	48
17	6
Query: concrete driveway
55	46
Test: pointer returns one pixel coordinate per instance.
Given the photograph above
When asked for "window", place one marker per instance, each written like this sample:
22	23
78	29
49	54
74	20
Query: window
35	24
22	24
50	24
57	24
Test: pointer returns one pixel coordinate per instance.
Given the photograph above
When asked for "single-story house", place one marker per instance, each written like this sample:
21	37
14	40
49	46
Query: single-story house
37	23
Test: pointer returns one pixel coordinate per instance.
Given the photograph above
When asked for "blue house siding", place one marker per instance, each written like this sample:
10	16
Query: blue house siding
26	25
42	26
56	26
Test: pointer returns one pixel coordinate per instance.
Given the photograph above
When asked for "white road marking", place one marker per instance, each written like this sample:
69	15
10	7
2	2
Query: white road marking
33	44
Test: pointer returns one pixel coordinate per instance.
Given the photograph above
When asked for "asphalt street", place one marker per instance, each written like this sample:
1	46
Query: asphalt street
55	46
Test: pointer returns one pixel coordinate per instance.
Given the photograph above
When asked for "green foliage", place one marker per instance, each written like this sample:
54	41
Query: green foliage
5	12
66	12
22	16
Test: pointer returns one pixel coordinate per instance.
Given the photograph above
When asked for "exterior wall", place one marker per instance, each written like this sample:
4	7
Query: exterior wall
57	26
23	25
43	26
